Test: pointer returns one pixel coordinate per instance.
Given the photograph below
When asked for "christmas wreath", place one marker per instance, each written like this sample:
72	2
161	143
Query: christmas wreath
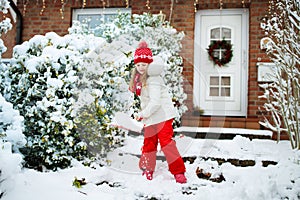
214	50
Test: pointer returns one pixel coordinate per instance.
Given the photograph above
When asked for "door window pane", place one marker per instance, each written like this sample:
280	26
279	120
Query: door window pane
226	33
225	80
214	92
220	33
225	92
214	80
215	33
220	86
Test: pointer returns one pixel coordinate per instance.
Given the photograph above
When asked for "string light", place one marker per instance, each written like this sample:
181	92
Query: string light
171	10
24	7
195	5
83	3
270	7
148	4
103	4
162	16
243	3
62	9
106	3
127	3
43	7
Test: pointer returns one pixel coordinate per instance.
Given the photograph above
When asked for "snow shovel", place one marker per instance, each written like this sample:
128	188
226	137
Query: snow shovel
124	121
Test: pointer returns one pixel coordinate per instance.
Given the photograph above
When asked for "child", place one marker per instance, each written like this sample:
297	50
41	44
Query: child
157	113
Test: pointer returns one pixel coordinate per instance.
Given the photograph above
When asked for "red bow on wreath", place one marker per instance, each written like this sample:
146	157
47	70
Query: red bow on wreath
226	52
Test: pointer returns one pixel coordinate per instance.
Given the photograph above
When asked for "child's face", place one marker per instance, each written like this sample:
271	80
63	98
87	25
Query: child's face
141	67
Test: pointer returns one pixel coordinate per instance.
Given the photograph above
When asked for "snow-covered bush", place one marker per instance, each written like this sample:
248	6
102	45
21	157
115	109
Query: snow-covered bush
162	38
102	91
40	83
283	95
11	139
66	96
11	124
5	26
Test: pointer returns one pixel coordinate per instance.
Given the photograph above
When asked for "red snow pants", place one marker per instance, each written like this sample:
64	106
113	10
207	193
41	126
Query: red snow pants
162	133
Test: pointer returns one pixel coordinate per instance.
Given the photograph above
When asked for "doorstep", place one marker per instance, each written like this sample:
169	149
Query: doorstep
222	133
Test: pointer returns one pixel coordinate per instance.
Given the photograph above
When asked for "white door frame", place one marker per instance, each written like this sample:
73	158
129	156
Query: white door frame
244	65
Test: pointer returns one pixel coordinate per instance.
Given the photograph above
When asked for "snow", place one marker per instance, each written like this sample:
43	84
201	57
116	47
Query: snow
121	178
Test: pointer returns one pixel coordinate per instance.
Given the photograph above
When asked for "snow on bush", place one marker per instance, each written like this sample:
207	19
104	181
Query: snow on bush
283	95
102	91
4	5
5	24
11	139
63	95
11	125
67	97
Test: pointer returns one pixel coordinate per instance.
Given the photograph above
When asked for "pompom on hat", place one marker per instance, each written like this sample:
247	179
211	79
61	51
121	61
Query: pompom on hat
143	53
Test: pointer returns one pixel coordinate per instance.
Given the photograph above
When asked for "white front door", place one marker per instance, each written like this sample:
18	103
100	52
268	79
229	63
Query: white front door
221	90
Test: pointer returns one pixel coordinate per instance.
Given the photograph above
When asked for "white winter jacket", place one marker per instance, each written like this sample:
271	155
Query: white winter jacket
156	102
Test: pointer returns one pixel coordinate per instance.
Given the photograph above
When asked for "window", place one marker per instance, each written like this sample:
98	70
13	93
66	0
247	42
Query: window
220	86
217	34
96	16
220	33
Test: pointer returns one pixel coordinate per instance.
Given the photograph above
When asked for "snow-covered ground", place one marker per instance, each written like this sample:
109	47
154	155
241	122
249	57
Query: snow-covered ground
123	180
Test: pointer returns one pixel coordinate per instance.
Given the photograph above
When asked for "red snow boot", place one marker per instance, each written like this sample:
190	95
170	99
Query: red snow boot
149	174
180	178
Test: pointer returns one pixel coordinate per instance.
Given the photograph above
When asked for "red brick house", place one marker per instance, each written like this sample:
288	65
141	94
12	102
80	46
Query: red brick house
227	94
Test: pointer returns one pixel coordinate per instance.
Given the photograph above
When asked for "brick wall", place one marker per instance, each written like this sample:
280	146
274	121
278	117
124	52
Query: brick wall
182	19
257	11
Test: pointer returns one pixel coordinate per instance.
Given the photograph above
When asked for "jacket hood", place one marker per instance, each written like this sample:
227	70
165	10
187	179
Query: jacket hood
156	67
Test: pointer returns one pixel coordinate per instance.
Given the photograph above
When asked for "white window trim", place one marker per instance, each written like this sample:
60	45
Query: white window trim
100	11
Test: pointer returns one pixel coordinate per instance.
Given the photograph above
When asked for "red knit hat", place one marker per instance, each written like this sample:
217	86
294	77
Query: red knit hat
143	53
